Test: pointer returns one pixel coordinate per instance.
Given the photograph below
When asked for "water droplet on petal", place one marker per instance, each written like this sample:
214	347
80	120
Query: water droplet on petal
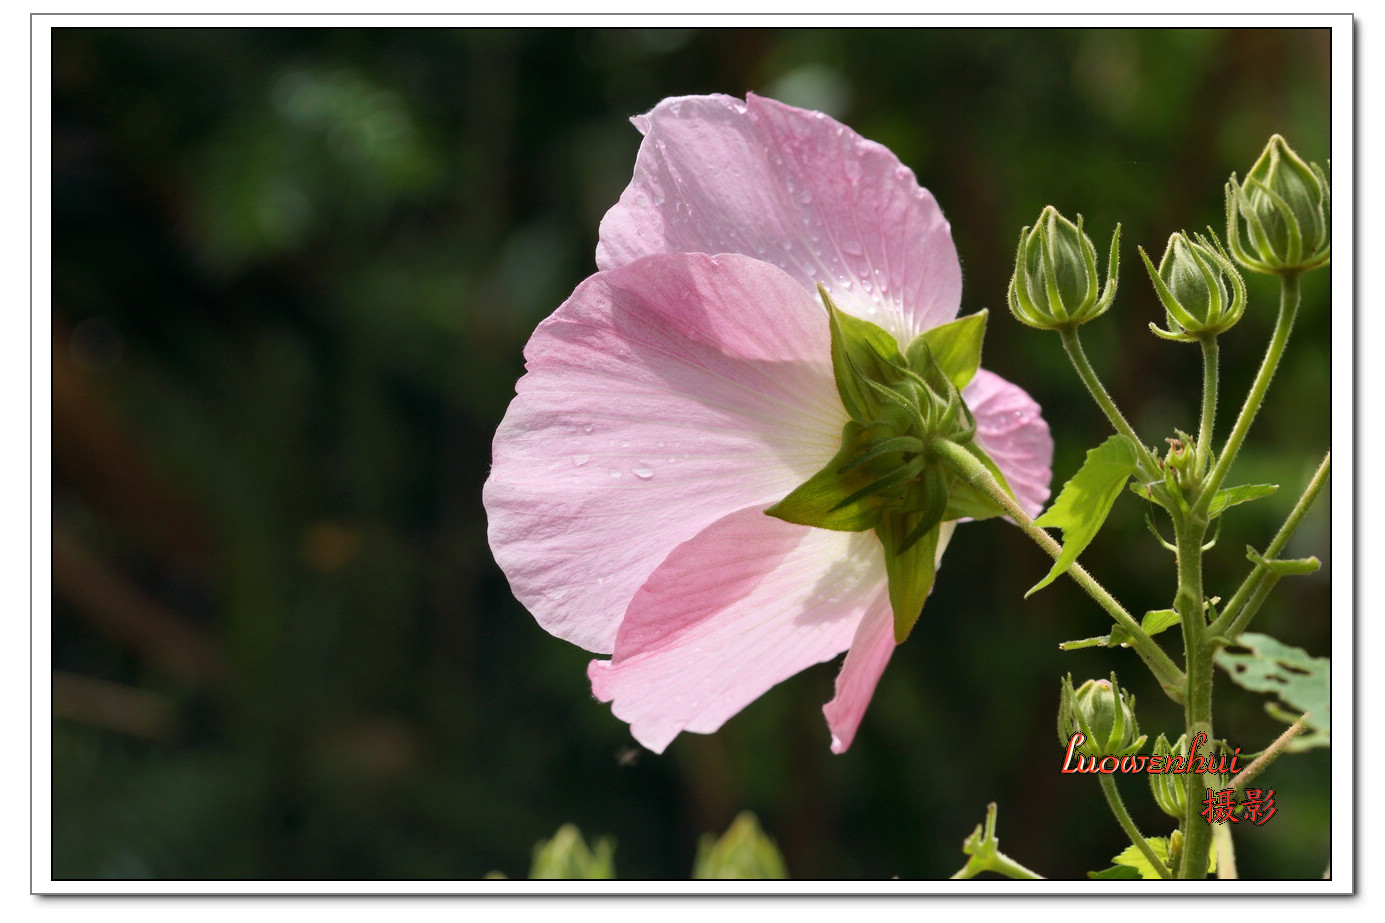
806	197
615	472
580	460
643	472
587	428
852	247
625	443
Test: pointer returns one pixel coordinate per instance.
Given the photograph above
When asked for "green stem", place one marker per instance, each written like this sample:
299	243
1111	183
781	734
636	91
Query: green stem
1113	799
1209	404
1197	708
968	467
1272	753
1260	580
1283	326
1072	342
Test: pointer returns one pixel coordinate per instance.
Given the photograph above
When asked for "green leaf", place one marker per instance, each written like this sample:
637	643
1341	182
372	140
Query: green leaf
1132	857
910	571
566	856
1116	873
861	353
1153	622
1086	500
1283	567
743	852
955	347
1299	681
1234	495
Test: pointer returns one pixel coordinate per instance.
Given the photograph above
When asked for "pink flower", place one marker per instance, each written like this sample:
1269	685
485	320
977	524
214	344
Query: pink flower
677	394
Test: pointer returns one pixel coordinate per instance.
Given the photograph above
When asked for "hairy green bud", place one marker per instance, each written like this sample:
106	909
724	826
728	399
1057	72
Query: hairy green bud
1055	283
1284	205
1104	714
1202	291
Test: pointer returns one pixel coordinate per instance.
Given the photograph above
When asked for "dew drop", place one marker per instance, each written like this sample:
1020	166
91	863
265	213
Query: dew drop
587	428
625	443
642	200
643	472
865	286
852	247
580	460
615	472
806	197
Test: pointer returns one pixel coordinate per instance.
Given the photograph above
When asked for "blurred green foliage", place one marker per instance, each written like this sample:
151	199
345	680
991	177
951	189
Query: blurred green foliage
293	273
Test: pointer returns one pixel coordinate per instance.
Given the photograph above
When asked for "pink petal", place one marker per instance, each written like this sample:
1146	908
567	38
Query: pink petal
658	398
861	671
749	602
796	188
1010	428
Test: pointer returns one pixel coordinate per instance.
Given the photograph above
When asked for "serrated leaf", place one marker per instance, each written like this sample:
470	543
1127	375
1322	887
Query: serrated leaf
1299	681
1086	500
1134	858
1283	567
955	347
1234	495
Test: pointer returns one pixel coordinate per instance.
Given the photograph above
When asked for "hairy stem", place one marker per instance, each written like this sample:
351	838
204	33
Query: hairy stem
1209	404
1073	344
1253	590
1283	326
1113	799
964	464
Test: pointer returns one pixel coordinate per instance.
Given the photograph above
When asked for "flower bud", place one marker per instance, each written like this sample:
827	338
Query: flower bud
1191	281
1105	716
1169	791
1284	204
1054	285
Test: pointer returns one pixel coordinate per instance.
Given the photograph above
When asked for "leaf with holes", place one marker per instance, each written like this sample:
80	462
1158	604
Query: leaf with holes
1301	682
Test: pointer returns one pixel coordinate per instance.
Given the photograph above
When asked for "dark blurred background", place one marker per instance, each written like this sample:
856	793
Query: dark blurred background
293	273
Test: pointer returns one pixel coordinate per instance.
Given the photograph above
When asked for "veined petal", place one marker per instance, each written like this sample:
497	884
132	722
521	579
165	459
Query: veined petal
796	188
658	398
1010	427
864	665
747	603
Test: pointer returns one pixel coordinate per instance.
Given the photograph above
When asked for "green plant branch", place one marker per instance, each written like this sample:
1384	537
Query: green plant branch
1197	707
1272	753
968	467
1207	425
1113	800
1072	343
983	848
1258	583
1283	326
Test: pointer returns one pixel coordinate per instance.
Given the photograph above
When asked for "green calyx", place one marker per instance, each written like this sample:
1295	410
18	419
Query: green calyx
1202	292
887	475
1103	713
1285	207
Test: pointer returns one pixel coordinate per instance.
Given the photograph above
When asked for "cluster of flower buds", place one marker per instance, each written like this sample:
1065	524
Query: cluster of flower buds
1104	714
1285	205
1054	285
1276	222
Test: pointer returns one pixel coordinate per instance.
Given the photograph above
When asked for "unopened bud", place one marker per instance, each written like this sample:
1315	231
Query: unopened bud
1284	204
1105	716
1192	282
1054	285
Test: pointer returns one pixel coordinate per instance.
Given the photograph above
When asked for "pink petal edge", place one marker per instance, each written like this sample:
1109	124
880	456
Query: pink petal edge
747	603
1011	428
794	187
